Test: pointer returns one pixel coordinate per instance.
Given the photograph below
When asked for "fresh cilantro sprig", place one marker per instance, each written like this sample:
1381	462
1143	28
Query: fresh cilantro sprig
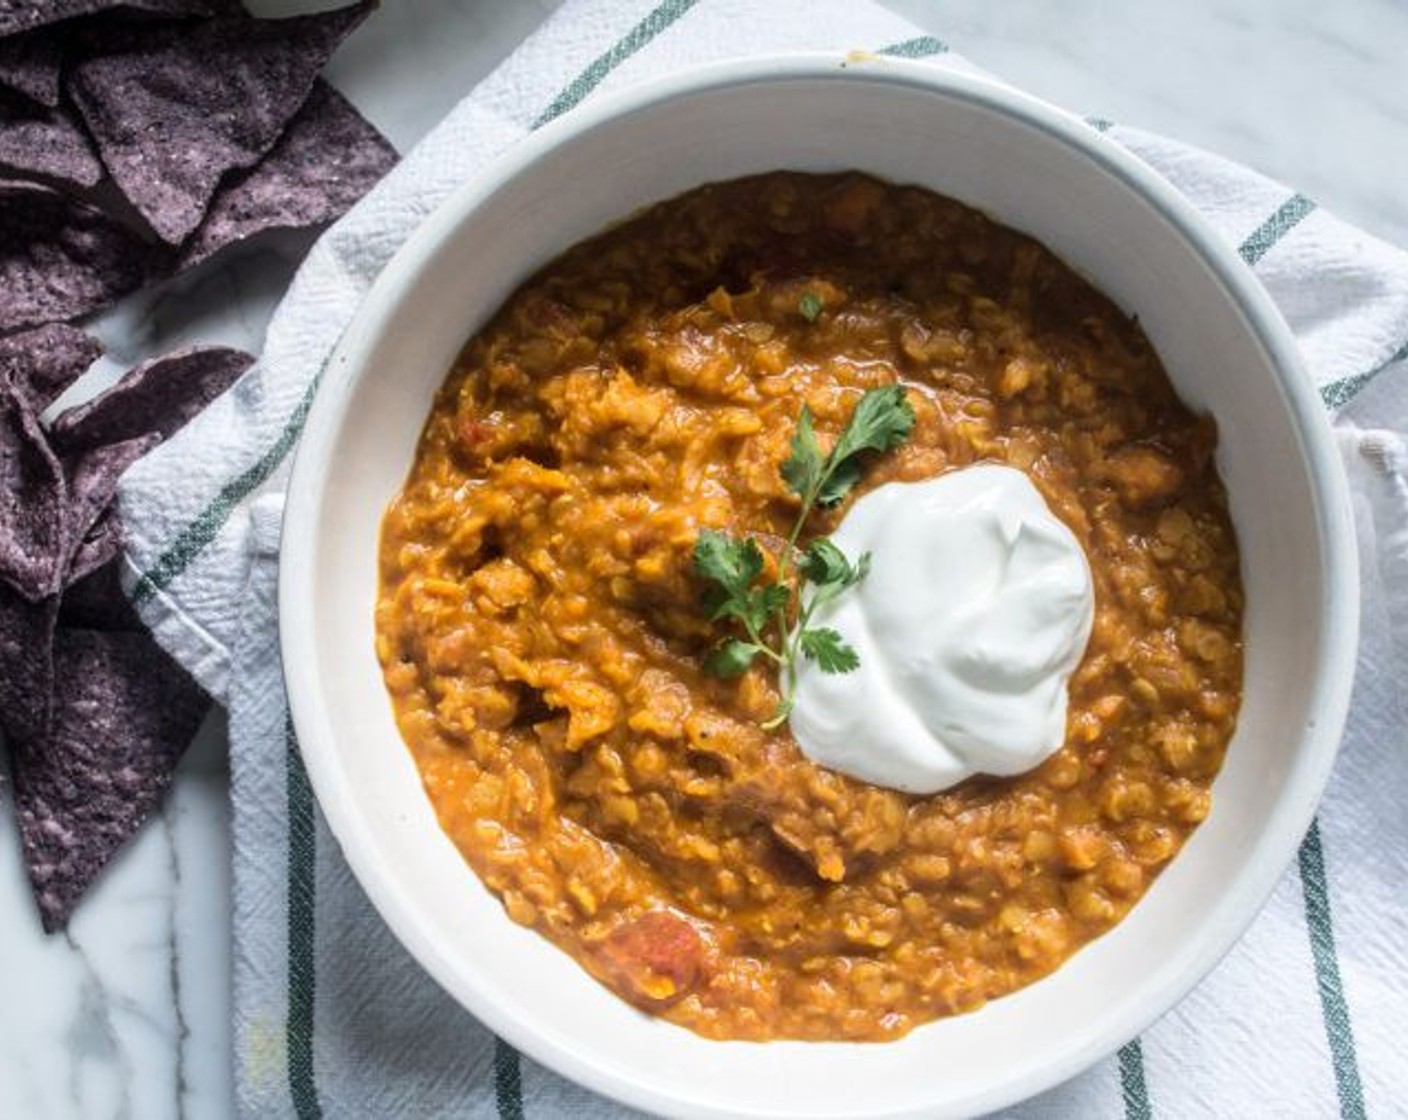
775	614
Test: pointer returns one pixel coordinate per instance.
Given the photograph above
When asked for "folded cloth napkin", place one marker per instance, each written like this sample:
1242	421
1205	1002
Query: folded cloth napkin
1305	1018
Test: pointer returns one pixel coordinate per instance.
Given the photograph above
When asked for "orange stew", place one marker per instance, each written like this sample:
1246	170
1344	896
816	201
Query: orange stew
540	628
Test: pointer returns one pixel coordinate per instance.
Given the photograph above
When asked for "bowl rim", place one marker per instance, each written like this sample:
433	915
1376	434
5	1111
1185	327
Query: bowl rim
1328	703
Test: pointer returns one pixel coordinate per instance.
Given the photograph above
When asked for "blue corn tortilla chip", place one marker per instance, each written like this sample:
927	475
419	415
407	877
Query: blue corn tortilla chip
99	546
95	713
154	398
97	602
175	108
92	477
326	160
33	498
60	258
30	64
26	664
43	362
99	439
124	715
22	15
36	366
35	140
60	534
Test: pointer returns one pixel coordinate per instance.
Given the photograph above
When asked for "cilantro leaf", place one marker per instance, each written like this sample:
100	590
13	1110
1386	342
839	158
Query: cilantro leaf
763	601
717	602
731	563
731	659
824	564
828	573
753	608
829	650
732	566
775	615
802	471
838	482
810	306
881	422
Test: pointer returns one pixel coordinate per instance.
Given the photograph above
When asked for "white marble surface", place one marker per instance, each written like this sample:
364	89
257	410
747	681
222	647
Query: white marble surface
1313	94
127	1016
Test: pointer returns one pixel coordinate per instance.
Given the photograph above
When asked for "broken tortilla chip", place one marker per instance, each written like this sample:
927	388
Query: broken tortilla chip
26	664
60	258
328	158
100	545
22	16
97	602
175	108
30	64
212	129
125	716
35	140
33	499
154	398
92	483
43	362
59	529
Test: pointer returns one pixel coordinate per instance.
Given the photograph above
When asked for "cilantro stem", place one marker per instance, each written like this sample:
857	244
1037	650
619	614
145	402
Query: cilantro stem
881	421
765	647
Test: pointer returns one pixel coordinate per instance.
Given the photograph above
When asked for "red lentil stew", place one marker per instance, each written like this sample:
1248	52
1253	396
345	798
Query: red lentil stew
542	640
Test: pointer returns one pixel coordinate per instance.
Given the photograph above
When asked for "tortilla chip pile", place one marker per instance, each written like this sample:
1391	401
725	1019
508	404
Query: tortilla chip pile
133	147
138	138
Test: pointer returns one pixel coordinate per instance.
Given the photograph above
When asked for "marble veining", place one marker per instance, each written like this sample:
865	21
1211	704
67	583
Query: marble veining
128	1014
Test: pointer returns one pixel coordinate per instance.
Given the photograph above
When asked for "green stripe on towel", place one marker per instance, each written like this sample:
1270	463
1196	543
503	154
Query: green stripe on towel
926	46
1339	393
637	37
1333	1007
191	541
302	841
1133	1083
1288	215
508	1081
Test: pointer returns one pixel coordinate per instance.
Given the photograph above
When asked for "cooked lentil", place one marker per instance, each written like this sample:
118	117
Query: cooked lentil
539	627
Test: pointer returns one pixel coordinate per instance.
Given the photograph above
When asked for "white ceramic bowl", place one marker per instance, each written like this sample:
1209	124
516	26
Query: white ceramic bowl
1027	165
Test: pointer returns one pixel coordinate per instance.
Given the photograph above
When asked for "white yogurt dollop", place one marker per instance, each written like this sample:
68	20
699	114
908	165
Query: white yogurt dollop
976	610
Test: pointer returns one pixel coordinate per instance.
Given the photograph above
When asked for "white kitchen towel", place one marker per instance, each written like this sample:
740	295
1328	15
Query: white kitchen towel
1306	1017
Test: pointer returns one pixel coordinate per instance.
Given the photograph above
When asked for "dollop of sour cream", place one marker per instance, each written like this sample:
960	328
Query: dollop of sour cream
975	612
